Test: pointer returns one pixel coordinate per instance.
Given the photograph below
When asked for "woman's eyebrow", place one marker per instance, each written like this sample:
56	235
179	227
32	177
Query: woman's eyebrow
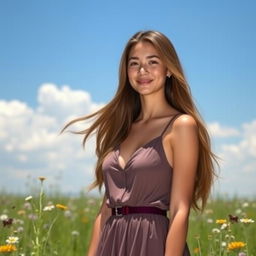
148	57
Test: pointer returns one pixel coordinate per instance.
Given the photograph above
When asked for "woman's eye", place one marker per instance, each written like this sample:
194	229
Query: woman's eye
153	62
133	63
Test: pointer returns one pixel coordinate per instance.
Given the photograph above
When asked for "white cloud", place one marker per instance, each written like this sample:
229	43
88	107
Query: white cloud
30	145
30	142
218	131
238	165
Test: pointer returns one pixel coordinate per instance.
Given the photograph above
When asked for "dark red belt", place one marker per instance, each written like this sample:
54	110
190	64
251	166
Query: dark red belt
124	210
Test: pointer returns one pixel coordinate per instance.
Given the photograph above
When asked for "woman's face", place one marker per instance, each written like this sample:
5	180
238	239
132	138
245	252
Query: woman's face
146	70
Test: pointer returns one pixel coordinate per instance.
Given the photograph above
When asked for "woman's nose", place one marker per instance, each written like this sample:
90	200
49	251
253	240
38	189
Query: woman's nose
142	69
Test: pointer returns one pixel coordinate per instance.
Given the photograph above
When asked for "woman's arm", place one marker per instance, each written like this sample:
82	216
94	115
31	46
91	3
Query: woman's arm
103	215
184	143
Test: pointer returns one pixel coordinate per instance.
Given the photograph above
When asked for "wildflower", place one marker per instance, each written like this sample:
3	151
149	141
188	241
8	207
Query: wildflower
12	240
75	233
223	244
8	248
3	217
196	250
221	221
224	226
215	230
246	221
21	212
209	220
27	206
241	254
62	207
245	204
41	178
236	245
48	208
28	198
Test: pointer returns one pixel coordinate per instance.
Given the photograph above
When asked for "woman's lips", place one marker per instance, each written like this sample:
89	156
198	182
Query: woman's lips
144	81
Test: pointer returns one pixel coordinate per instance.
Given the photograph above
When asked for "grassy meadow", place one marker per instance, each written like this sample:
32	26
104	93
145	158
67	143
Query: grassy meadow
57	225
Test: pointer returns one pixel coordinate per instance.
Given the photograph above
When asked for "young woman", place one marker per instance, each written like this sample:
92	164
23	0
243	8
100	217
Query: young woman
153	153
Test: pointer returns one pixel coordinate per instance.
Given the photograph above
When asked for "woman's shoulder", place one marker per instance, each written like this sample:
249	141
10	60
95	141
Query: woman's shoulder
184	122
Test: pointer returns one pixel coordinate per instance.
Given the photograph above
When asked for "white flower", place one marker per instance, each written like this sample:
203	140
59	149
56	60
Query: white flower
3	217
75	233
245	204
215	230
28	198
48	208
246	221
12	240
209	220
224	226
223	244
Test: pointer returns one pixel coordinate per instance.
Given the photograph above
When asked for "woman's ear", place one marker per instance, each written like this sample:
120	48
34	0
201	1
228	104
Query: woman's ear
168	74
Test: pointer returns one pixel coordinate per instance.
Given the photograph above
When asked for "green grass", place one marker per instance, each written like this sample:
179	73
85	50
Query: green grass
71	232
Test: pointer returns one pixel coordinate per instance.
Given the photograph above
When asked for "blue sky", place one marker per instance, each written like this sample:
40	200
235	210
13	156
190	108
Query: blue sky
79	43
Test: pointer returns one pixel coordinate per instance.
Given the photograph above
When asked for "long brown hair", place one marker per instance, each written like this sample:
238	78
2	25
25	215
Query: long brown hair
114	120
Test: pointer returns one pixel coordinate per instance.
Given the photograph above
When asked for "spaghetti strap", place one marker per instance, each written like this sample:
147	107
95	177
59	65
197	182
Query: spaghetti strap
171	121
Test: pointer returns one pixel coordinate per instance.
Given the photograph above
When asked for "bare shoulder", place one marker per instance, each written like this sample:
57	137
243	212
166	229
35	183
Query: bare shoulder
185	123
184	127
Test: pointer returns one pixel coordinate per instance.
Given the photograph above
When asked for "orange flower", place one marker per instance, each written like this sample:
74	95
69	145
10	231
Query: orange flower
8	248
62	207
196	250
236	245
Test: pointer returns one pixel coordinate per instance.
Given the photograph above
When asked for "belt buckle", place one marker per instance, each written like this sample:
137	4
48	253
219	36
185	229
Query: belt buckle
116	211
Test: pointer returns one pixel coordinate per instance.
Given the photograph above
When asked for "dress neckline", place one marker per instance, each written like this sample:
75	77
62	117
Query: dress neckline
135	152
145	144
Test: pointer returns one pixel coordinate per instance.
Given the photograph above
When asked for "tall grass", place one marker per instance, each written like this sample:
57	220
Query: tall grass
60	225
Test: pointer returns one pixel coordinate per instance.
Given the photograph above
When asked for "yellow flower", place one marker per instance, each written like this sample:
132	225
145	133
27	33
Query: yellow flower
221	221
196	250
62	207
21	212
41	178
8	248
236	245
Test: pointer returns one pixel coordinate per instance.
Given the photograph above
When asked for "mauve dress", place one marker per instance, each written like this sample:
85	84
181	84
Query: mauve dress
144	181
